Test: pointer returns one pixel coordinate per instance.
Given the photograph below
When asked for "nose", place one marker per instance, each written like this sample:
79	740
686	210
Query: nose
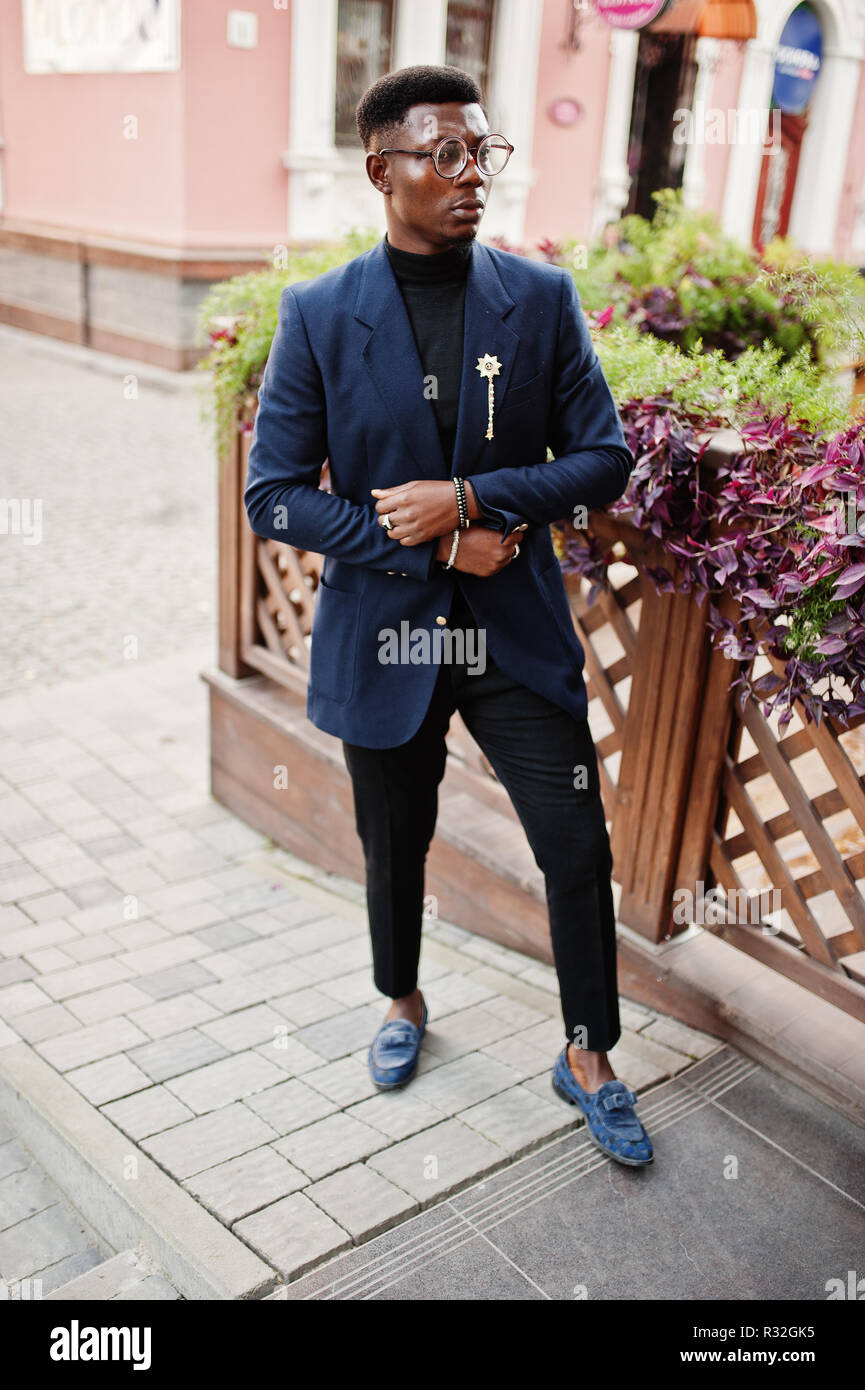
470	176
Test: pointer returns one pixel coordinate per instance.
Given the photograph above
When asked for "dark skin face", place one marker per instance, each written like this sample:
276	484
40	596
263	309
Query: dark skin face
420	204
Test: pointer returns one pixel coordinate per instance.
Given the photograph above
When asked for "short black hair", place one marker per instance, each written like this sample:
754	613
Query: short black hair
383	107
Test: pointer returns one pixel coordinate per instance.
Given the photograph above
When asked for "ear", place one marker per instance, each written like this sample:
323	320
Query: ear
376	172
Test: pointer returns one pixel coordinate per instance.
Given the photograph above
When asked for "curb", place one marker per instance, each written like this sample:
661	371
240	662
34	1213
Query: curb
89	1160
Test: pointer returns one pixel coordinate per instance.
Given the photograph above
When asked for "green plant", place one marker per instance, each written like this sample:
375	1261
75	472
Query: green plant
681	278
239	316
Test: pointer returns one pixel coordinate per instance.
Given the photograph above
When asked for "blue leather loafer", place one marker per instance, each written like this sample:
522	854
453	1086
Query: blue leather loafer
610	1119
393	1055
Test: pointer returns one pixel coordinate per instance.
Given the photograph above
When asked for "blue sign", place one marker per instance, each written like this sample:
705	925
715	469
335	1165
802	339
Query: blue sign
797	61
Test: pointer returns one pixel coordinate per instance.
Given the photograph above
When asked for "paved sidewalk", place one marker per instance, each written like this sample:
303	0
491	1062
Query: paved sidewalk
212	997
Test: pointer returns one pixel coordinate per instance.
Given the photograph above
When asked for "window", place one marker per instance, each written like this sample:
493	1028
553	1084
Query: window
469	26
363	49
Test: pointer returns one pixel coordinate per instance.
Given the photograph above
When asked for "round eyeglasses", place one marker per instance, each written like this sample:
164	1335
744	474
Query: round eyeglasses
451	155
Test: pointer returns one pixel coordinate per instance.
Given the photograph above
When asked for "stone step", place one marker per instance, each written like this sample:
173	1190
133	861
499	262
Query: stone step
129	1275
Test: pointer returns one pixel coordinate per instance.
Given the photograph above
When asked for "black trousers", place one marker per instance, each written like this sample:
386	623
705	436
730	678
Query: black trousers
537	750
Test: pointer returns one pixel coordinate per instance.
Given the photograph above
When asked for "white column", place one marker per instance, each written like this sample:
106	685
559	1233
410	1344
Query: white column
694	172
511	109
312	159
746	155
421	32
613	184
822	162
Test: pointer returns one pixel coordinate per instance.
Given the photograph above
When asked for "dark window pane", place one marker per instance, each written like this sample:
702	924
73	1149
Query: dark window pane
364	30
468	38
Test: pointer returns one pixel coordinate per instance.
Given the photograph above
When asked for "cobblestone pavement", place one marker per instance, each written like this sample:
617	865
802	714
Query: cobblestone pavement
126	477
204	991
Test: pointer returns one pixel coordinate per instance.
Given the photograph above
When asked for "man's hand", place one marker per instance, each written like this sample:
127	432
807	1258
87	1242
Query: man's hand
418	511
481	550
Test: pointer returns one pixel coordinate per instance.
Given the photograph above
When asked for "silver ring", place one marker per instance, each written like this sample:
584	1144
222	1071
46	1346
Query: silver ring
516	551
386	522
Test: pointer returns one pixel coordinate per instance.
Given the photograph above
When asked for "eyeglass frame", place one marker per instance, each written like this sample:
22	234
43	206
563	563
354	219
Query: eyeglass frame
431	154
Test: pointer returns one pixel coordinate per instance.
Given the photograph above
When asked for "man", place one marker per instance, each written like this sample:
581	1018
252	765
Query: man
432	372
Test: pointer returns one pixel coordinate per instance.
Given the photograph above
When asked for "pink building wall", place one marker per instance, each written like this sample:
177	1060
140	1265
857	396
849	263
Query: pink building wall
567	158
723	95
66	162
236	127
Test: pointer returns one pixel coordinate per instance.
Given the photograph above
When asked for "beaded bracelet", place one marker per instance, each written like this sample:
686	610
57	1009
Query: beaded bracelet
460	489
454	548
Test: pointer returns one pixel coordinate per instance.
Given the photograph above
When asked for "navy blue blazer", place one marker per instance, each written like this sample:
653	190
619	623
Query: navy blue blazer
344	382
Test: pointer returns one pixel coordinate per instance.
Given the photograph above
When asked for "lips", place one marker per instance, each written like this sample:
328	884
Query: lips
473	203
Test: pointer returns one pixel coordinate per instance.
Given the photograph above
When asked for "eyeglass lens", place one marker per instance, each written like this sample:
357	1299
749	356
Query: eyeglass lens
452	156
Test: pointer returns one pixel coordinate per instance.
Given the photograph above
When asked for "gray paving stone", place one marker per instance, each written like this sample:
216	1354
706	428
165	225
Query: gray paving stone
223	935
21	998
453	991
254	988
689	1041
84	979
32	938
398	1113
151	1290
517	1119
147	1112
290	1055
346	1081
293	1234
16	969
247	1028
306	1006
464	1031
208	1140
290	1105
463	1082
353	989
106	1003
330	1144
56	1275
180	980
524	1059
12	1157
220	1083
40	1242
23	1193
108	1079
361	1200
438	1161
46	1023
177	1053
243	1185
173	1015
84	1045
343	1033
163	955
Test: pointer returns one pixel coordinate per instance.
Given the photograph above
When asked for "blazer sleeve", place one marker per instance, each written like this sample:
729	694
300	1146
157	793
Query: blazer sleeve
592	461
282	496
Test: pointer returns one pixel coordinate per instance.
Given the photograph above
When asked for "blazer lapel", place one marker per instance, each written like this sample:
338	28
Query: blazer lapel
484	332
391	355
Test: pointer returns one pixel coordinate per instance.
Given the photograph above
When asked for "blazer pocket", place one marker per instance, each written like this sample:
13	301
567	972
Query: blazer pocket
535	387
333	651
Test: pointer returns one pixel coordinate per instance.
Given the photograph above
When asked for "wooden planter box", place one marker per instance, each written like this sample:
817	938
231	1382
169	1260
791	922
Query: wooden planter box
678	764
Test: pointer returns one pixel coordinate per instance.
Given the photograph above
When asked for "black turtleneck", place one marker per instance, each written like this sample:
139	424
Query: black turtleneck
434	290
